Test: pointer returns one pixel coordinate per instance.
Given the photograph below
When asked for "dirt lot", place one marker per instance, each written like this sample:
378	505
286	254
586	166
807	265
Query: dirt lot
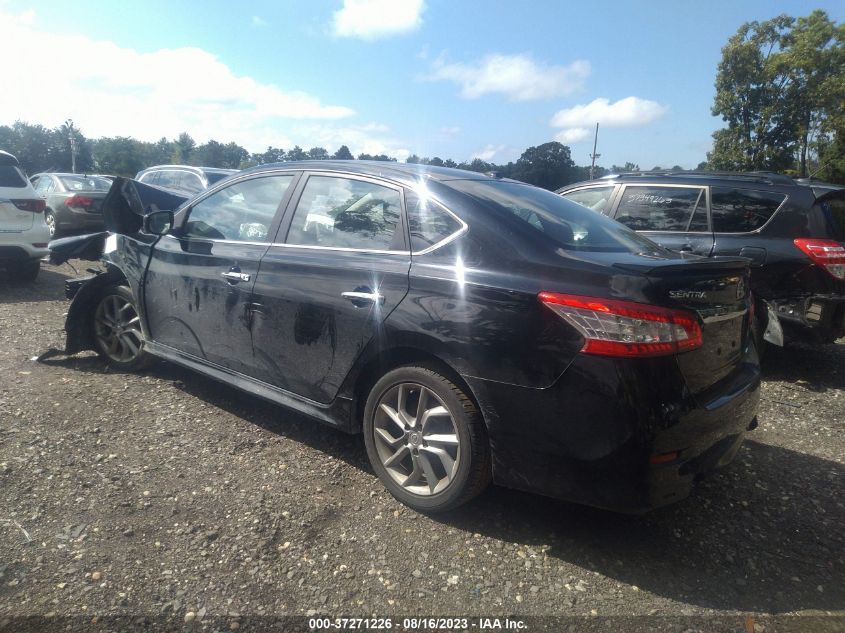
167	494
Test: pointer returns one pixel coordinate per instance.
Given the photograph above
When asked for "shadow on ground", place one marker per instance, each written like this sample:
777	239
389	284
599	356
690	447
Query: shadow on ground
765	535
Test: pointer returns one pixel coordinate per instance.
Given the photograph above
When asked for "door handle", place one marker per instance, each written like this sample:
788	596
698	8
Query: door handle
363	297
234	277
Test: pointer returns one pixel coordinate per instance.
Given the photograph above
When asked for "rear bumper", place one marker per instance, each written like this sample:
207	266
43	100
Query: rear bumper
73	219
21	253
591	437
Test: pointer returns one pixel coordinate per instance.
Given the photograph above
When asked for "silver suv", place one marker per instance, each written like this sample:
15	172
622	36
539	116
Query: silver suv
183	177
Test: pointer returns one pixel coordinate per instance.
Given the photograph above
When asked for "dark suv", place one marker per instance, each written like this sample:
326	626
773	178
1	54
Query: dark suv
792	232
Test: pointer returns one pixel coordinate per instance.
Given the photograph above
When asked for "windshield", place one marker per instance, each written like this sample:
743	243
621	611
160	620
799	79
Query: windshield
85	183
570	225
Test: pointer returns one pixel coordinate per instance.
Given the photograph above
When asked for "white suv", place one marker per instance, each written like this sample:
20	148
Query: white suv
23	232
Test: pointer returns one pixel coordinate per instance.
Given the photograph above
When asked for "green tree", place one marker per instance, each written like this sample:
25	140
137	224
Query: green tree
318	153
343	153
549	165
777	84
119	156
183	149
297	153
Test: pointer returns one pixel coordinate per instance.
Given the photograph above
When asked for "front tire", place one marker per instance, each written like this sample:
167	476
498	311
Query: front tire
426	440
117	334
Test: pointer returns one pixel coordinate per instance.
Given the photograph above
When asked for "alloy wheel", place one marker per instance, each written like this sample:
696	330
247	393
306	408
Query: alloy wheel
416	439
118	328
50	219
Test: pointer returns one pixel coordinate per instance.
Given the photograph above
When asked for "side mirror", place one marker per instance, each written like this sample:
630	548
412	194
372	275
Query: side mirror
158	222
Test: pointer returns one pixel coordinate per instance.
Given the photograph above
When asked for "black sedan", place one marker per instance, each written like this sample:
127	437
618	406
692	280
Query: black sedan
472	328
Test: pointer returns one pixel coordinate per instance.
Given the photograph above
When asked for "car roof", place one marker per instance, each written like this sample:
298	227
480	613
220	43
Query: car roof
403	172
194	168
697	178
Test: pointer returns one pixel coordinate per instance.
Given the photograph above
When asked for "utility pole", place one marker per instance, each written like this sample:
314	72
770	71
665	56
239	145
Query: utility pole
72	138
594	156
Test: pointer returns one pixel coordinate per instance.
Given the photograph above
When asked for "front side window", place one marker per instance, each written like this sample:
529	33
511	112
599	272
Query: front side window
742	210
656	208
243	211
595	198
341	212
429	223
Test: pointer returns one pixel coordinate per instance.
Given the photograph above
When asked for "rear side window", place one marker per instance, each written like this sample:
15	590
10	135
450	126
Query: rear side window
346	213
11	176
656	208
429	223
595	198
742	210
834	210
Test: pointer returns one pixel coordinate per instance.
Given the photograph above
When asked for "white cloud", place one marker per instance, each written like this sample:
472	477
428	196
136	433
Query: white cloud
578	120
572	135
258	21
373	19
518	77
488	152
144	94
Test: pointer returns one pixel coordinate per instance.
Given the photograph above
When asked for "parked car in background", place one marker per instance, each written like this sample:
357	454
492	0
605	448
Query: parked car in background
183	177
73	201
23	232
793	233
470	327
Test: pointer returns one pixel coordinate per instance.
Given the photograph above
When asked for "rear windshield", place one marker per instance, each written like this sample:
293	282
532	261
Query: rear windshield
85	183
213	176
11	176
570	225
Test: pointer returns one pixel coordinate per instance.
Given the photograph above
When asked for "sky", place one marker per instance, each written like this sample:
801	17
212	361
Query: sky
457	79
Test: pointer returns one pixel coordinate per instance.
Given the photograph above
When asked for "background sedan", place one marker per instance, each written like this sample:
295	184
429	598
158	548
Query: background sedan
73	201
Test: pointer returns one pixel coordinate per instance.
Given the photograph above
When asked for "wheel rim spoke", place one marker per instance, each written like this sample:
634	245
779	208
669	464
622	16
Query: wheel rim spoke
397	457
431	477
443	456
432	413
441	438
388	439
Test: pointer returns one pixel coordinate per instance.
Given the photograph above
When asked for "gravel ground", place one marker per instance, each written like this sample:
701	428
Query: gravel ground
168	494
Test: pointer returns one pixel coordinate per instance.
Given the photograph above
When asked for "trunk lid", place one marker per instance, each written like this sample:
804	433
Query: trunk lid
717	290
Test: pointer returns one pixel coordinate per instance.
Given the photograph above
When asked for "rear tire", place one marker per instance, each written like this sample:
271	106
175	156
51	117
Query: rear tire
27	271
426	440
116	330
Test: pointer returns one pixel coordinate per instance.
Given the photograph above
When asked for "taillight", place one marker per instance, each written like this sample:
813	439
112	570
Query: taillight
828	254
36	206
79	201
624	328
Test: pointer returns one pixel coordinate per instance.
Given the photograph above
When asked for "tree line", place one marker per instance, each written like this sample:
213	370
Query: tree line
38	148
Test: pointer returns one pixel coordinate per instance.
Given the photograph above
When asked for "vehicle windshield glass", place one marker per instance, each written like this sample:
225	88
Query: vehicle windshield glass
570	225
215	176
85	183
10	176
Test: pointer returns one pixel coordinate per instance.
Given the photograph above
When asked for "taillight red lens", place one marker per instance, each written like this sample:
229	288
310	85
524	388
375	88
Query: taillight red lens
828	254
79	201
625	328
36	205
